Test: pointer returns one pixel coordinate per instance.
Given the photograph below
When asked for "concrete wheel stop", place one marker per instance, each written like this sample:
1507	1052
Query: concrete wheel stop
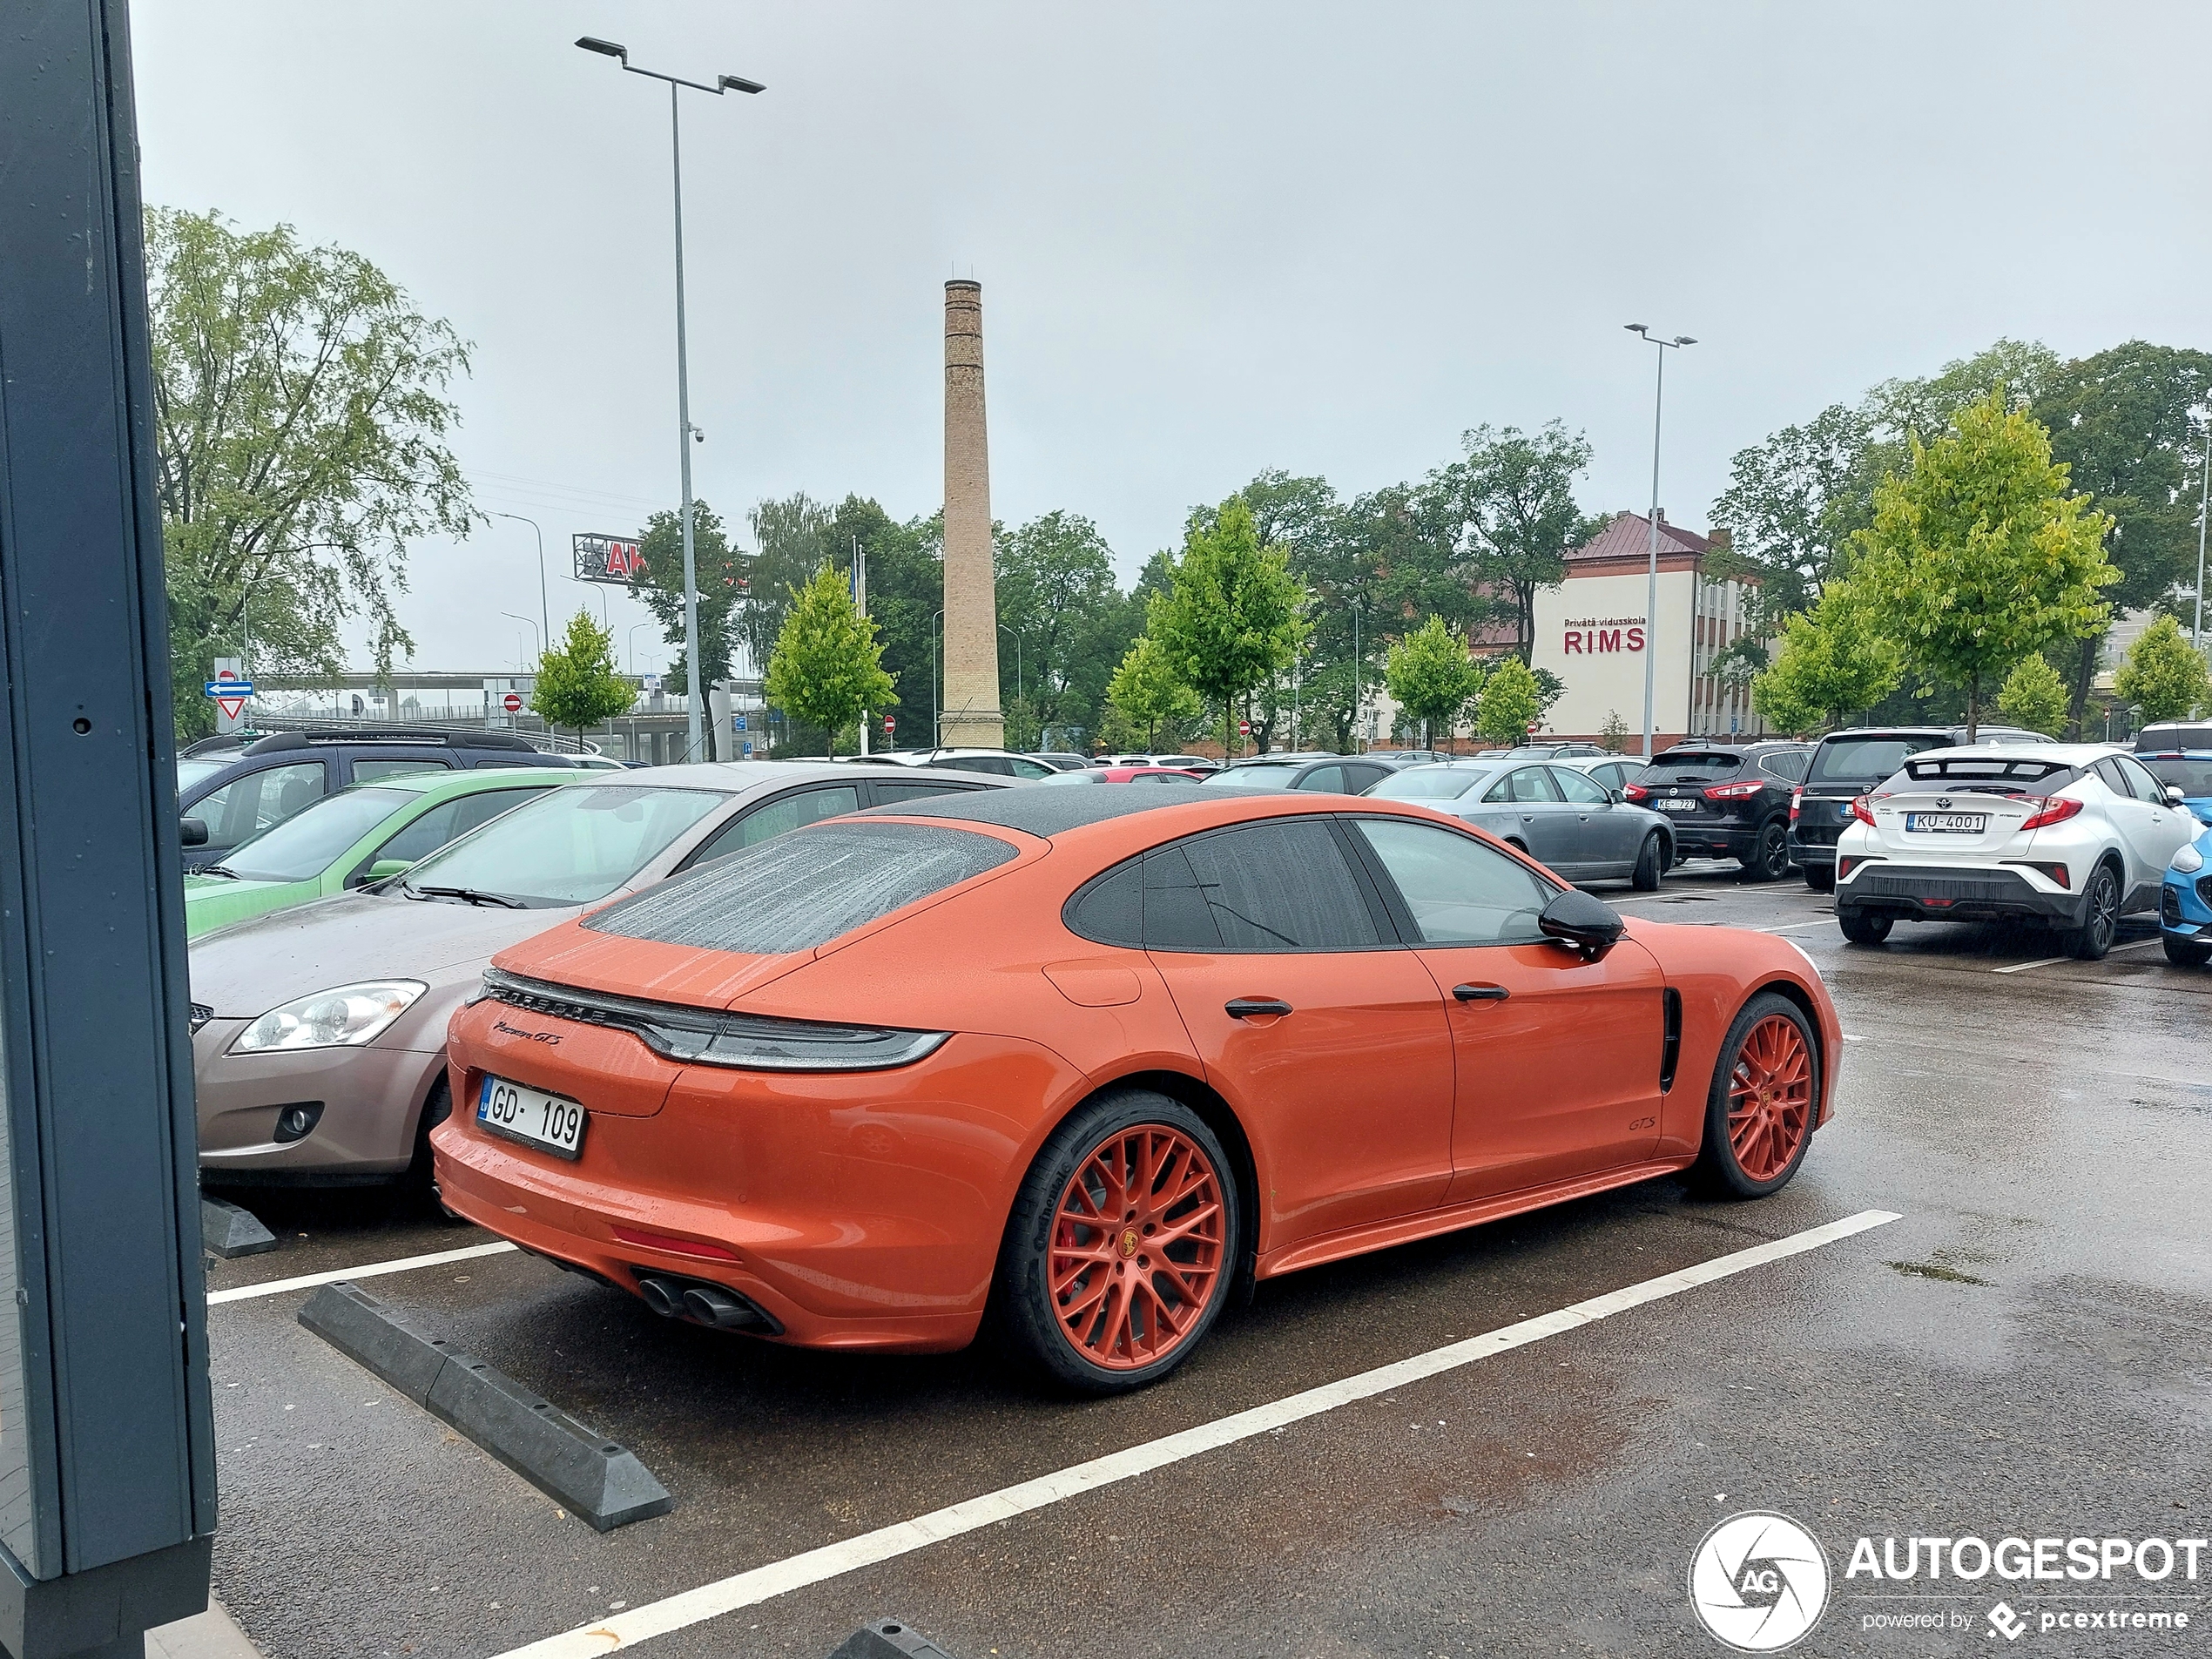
564	1459
227	1230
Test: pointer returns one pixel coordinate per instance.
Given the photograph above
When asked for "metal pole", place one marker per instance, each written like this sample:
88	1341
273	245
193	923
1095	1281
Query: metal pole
1356	687
2203	499
695	679
532	626
544	609
860	604
1651	592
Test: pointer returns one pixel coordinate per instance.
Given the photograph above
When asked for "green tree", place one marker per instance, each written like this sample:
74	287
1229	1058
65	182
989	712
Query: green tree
1831	660
300	427
906	589
1432	677
1791	506
1981	556
2123	422
1057	595
577	685
2035	696
1509	704
723	574
1236	613
826	668
1613	736
2163	674
1149	694
1509	508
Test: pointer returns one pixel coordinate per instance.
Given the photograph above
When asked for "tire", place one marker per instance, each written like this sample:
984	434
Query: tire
1092	1337
1651	864
1766	1097
1863	927
2099	918
1821	877
1770	860
436	1107
2185	953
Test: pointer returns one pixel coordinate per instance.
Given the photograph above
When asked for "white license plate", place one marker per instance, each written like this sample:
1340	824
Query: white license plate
1947	823
1675	805
531	1117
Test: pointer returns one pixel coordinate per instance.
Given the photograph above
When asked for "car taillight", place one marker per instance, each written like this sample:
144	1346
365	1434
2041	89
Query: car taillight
1861	808
1796	799
1734	791
1635	791
2050	809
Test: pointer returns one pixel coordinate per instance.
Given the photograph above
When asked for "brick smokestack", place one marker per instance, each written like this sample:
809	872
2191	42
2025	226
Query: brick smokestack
971	715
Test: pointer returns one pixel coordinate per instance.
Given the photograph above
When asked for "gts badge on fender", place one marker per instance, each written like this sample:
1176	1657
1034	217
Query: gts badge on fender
548	1037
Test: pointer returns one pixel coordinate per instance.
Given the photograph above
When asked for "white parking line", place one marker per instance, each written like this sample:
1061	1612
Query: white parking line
679	1612
370	1270
2051	962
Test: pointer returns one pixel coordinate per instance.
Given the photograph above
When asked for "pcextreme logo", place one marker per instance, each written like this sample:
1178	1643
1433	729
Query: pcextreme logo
1759	1581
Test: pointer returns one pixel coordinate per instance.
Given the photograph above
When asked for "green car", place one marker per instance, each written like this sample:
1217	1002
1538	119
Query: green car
353	838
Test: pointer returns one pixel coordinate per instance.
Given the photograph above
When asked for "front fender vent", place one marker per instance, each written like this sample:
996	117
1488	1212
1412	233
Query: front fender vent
1671	1045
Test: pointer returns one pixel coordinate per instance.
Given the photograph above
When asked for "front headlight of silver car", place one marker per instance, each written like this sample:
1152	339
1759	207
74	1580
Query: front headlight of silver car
2189	860
344	1017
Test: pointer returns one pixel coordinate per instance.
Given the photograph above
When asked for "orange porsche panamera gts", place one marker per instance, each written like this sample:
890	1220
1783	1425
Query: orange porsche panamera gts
1093	1060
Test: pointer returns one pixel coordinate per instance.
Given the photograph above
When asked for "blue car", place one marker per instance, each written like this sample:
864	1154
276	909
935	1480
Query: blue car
2186	769
2185	905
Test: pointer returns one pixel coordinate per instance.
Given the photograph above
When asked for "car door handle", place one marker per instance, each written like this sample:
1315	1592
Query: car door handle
1480	993
1246	1007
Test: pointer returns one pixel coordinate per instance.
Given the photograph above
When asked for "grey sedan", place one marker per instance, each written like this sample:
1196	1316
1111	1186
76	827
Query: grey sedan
1555	813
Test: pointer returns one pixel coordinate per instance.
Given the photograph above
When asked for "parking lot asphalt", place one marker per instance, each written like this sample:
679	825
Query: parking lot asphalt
2021	1353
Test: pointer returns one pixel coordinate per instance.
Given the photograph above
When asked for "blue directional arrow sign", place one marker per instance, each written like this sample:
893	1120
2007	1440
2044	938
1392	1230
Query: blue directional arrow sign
229	688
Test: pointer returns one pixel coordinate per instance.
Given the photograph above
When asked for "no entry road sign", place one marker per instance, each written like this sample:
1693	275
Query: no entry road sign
512	703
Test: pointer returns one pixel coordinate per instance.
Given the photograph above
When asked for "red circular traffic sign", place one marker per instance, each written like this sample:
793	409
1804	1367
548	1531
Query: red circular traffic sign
1245	727
512	703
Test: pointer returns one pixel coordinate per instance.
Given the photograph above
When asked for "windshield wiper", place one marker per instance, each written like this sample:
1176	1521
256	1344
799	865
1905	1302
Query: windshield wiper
223	870
467	895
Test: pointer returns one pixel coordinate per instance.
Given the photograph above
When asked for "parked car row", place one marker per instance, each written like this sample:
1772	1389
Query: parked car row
838	1055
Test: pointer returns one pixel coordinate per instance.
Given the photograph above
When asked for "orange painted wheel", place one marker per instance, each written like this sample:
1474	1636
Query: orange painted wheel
1764	1101
1138	1247
1770	1100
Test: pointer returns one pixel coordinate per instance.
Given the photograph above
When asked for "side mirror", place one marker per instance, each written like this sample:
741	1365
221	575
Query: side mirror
1616	796
1581	923
2174	795
384	867
192	832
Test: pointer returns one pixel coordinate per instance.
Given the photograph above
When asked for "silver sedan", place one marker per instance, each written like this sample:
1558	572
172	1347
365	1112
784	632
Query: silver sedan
1558	815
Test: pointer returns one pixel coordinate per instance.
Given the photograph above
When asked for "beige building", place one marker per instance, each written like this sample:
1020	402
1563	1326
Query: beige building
1592	630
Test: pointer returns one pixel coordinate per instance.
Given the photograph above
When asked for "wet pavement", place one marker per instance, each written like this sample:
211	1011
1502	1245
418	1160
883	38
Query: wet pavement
2022	1352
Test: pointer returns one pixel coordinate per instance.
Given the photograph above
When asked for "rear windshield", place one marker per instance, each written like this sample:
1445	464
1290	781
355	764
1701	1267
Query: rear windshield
2175	737
1965	772
1424	783
803	889
1261	776
1694	766
2194	777
1865	761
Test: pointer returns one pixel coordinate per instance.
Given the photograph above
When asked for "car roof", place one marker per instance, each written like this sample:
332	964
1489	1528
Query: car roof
469	783
1045	812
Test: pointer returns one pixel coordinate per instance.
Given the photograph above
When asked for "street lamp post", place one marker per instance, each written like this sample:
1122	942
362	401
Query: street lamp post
632	643
695	693
544	609
532	626
1651	592
2203	500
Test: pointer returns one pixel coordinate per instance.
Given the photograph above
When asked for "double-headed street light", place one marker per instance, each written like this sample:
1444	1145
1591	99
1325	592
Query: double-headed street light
1651	594
695	695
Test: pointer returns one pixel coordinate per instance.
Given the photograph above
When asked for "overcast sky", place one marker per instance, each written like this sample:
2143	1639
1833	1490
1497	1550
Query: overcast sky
1212	238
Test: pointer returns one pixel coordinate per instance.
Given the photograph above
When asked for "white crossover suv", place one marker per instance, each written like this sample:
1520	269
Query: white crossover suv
2076	835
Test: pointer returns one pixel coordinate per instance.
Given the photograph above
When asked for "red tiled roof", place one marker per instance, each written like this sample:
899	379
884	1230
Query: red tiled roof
1629	536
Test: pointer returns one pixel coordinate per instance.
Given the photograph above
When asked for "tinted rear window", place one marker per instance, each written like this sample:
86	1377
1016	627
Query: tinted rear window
1268	887
1694	766
1865	761
803	889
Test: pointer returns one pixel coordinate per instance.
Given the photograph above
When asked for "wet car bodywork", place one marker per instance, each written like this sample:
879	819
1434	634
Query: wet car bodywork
873	1201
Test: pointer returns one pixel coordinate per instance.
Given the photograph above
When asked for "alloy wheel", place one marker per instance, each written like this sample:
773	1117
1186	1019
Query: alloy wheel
1139	1247
1769	1102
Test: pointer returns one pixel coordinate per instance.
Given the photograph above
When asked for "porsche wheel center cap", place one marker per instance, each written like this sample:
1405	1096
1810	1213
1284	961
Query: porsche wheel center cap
1129	1242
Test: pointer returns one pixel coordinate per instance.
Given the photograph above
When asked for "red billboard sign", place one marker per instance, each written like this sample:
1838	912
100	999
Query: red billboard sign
608	558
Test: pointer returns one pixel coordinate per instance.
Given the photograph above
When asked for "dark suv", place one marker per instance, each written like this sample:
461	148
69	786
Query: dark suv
228	791
1728	803
1845	765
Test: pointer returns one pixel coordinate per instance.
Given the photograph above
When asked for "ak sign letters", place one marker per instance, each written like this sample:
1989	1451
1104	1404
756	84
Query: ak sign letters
608	558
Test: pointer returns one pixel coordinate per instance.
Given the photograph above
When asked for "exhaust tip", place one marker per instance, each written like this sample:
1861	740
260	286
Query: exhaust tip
664	1299
719	1308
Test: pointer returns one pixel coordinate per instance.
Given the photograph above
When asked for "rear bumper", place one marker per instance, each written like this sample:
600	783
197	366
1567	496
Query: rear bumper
1922	893
1695	840
1813	855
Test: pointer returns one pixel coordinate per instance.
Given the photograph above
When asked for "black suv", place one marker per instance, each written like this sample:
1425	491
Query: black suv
1728	803
228	791
1845	765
